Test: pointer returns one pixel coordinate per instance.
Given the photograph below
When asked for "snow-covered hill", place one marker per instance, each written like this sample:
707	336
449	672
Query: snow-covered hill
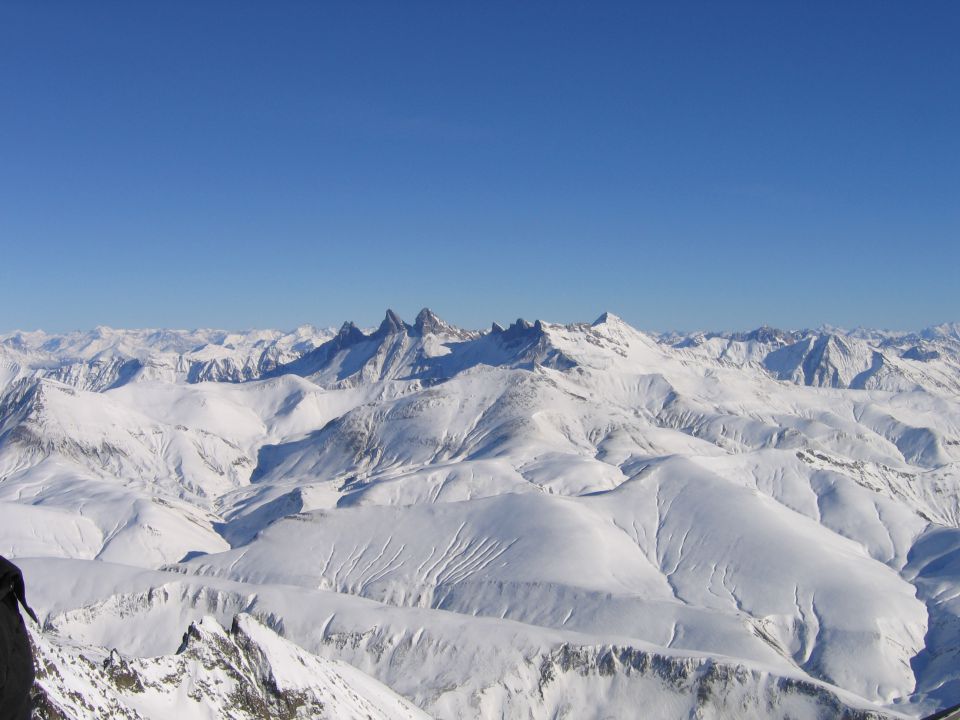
530	520
106	358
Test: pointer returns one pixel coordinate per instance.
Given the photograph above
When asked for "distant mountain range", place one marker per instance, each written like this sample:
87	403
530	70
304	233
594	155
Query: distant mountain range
536	520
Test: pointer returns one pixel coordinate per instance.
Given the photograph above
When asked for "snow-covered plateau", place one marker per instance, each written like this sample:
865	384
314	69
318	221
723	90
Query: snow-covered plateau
537	521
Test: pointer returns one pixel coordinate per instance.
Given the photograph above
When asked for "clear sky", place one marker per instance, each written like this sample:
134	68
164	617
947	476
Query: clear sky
682	164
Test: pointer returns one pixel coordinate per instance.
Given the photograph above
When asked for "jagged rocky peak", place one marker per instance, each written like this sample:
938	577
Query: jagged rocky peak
247	673
764	334
349	334
427	322
521	329
391	325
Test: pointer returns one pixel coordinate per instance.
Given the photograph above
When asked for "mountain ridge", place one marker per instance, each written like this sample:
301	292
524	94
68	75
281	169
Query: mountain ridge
788	502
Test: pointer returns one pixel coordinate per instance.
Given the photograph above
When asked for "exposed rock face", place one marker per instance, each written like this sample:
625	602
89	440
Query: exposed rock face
246	673
427	323
391	325
710	690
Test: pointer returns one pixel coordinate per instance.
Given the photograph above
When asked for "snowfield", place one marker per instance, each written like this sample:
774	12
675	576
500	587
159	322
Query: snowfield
534	521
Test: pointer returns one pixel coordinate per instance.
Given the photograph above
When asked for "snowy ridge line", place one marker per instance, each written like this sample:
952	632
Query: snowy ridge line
244	672
787	502
711	686
104	358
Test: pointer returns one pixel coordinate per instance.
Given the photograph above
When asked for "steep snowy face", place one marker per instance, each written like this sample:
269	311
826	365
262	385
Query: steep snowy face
510	521
246	673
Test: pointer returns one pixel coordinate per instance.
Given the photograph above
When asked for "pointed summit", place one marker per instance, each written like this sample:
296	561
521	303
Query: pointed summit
347	327
606	317
427	322
391	325
764	334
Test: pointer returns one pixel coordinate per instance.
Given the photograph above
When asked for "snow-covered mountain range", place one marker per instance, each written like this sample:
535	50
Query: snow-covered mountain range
536	520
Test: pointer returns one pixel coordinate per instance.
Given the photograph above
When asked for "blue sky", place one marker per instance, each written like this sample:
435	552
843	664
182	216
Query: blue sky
685	164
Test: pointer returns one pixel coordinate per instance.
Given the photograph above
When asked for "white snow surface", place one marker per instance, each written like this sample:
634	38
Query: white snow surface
245	673
527	522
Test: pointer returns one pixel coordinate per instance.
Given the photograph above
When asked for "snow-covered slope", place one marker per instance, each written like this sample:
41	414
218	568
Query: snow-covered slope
246	673
106	358
830	357
521	521
453	665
